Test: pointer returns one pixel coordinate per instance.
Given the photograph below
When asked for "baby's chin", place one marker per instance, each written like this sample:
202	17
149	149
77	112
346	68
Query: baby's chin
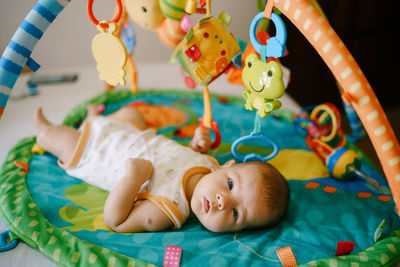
216	228
212	228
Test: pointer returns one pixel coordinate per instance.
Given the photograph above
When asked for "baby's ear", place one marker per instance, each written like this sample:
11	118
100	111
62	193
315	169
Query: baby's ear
229	163
225	165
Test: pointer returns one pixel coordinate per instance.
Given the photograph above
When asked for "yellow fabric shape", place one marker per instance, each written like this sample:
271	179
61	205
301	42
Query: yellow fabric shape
296	164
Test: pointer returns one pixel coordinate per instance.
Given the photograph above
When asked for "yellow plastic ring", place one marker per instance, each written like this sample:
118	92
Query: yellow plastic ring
334	120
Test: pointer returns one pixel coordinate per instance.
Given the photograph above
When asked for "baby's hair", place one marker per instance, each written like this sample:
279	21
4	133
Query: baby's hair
276	191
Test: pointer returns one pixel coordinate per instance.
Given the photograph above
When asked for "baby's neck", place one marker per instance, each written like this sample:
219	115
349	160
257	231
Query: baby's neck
191	185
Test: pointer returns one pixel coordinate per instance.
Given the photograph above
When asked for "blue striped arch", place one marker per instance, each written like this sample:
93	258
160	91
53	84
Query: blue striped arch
19	49
356	125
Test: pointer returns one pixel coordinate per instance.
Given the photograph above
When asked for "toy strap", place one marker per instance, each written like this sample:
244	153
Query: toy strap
208	7
207	121
257	125
207	117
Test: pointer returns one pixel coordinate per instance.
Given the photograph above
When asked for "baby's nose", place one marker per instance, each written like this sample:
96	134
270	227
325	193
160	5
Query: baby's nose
222	201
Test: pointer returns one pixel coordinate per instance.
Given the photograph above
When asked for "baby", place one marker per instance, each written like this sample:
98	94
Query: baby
156	183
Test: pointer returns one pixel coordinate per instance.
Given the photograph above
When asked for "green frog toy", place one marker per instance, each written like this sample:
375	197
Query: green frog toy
264	84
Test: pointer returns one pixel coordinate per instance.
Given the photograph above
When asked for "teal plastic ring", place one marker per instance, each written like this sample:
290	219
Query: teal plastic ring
260	139
276	46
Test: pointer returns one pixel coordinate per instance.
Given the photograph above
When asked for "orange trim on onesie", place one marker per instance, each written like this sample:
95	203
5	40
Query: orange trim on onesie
212	159
80	146
167	206
189	173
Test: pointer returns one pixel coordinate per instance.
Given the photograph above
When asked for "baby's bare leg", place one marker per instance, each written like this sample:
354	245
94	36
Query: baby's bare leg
130	115
92	111
60	140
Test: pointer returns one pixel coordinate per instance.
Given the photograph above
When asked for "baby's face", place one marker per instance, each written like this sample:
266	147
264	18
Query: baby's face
230	198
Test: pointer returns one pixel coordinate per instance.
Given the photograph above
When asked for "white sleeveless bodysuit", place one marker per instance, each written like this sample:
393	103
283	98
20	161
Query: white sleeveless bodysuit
104	146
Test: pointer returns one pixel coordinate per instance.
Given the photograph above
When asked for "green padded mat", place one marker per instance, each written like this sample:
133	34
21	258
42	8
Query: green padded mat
61	216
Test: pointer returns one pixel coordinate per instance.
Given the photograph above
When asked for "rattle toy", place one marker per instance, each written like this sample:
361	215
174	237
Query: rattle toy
342	163
264	84
323	131
207	50
108	50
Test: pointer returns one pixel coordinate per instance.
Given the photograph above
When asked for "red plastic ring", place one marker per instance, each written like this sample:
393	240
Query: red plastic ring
96	22
320	148
214	127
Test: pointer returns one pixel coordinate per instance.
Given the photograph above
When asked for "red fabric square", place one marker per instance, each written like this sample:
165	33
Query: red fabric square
344	248
193	52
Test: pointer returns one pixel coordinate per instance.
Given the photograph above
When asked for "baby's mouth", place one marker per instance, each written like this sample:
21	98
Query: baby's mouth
206	205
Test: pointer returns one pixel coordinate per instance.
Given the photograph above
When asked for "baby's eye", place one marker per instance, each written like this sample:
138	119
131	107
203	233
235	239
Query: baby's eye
235	213
230	184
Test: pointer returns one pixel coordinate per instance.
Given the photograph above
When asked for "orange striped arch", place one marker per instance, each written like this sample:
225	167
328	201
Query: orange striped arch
356	88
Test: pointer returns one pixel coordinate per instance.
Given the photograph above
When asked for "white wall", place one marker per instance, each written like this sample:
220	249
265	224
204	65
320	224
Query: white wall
67	41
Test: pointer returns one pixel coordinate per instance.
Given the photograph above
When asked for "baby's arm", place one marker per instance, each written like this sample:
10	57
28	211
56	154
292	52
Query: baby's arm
122	214
201	140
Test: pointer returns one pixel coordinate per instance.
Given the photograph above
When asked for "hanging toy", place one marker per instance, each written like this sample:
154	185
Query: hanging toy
325	137
256	137
264	84
165	17
146	13
264	81
108	50
128	38
208	49
343	163
322	123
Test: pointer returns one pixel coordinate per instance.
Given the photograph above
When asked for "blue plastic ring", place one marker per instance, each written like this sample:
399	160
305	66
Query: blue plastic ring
3	244
298	120
253	156
276	46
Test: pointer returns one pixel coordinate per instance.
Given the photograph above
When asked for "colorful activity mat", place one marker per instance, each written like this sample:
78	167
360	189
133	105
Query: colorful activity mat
62	216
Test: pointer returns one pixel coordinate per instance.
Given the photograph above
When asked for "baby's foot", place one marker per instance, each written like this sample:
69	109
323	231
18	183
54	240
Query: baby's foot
92	111
39	119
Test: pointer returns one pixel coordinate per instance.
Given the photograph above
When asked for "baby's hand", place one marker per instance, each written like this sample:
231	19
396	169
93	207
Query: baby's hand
140	169
201	141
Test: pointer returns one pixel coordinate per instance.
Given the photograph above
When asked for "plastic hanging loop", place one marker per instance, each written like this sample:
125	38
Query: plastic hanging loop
116	18
5	244
276	45
259	139
255	135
